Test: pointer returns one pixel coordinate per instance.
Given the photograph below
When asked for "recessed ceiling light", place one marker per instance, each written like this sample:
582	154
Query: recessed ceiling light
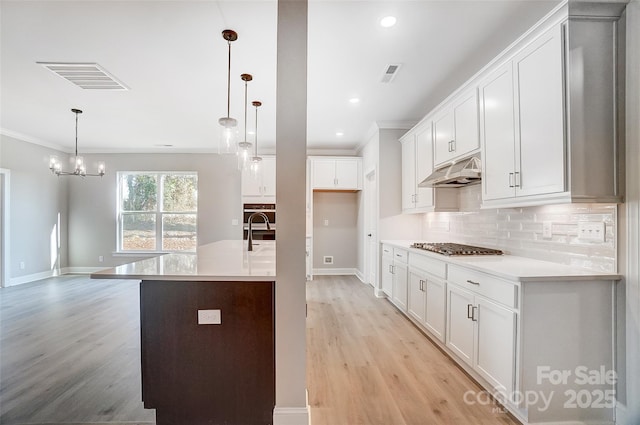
354	100
339	133
388	21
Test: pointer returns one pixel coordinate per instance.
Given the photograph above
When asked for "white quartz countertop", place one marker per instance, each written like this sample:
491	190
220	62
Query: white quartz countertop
512	267
226	260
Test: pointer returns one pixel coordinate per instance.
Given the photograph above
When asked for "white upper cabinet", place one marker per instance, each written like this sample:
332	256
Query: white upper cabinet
497	132
260	187
539	128
456	129
336	173
417	164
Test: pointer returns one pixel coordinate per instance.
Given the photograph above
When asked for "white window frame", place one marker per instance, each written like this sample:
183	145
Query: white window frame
159	212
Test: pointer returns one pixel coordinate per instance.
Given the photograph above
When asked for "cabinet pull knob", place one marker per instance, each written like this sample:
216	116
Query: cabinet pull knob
472	282
470	311
473	313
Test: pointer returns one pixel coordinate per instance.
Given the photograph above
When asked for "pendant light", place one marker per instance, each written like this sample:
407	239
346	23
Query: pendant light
255	159
244	148
80	168
228	125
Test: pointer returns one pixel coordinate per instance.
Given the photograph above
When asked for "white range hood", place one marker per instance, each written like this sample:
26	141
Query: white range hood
462	173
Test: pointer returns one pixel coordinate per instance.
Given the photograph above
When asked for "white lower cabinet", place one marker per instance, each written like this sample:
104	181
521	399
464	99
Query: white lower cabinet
417	296
400	291
386	274
435	315
427	294
460	326
394	276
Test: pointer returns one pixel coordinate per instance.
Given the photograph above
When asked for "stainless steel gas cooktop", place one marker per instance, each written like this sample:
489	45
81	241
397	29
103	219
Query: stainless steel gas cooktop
447	248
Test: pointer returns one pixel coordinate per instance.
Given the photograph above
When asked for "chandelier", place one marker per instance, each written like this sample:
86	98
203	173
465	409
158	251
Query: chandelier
80	168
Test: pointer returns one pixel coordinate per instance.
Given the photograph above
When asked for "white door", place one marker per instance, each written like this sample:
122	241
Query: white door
424	166
371	229
347	173
443	138
436	306
400	292
539	123
416	305
386	277
495	355
460	326
268	176
465	116
497	131
408	174
323	175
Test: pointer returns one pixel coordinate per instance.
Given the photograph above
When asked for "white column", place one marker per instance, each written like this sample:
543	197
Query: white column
291	149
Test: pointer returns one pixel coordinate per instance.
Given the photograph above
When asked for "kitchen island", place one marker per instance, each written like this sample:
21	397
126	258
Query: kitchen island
207	333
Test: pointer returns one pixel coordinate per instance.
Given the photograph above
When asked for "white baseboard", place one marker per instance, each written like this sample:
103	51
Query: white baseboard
51	273
379	293
291	416
336	272
360	276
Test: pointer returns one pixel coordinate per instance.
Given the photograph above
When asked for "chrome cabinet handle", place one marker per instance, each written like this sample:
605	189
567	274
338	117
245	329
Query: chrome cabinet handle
472	282
470	311
473	313
511	184
517	182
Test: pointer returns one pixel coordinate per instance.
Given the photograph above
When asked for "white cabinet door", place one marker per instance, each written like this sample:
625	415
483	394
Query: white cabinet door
539	127
408	174
465	116
436	305
443	137
417	291
268	171
347	174
497	129
251	184
423	166
460	327
386	277
495	355
400	290
324	173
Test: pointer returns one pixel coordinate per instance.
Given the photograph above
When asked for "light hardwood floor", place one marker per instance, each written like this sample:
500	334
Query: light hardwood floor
69	354
367	364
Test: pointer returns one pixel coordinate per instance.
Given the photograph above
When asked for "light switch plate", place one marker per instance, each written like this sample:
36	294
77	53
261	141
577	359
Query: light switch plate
209	317
234	222
547	229
591	232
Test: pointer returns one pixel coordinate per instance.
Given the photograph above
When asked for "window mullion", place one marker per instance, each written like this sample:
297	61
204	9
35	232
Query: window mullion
159	210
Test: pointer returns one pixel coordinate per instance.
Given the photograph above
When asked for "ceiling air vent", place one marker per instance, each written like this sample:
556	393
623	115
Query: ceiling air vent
89	76
390	72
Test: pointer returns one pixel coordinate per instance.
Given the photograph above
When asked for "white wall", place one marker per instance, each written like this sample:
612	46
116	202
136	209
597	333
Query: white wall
92	202
340	237
37	199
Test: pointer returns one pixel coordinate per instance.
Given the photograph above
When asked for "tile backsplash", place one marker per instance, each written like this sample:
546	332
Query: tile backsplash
519	231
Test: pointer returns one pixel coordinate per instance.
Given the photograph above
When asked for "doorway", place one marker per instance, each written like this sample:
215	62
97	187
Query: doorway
371	229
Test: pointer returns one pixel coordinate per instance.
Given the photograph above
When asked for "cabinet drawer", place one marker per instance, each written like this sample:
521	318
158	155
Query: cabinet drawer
491	287
387	250
429	265
400	255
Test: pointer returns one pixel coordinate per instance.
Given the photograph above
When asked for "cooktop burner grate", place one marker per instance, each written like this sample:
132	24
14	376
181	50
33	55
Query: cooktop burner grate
447	248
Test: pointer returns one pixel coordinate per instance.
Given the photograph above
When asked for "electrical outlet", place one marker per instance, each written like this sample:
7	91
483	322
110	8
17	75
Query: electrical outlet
327	259
100	258
547	229
326	222
234	222
591	232
22	265
209	317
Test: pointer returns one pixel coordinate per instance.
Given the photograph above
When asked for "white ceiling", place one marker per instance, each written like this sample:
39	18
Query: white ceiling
172	57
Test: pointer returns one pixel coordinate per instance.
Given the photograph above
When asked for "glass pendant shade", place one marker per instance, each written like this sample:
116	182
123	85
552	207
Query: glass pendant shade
228	139
255	159
244	148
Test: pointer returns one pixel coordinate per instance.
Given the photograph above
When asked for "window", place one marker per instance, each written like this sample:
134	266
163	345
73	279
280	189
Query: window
157	211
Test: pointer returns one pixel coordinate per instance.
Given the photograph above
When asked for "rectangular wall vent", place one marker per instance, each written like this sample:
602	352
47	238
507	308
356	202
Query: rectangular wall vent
89	76
328	259
390	72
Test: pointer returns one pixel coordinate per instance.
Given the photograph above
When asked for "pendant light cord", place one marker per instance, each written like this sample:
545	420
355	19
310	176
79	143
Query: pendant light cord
229	82
245	111
256	144
76	135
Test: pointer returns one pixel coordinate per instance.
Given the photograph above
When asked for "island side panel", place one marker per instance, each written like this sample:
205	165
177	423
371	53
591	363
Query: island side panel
195	373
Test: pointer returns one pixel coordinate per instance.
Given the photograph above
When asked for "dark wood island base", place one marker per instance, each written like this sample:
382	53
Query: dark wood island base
197	374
